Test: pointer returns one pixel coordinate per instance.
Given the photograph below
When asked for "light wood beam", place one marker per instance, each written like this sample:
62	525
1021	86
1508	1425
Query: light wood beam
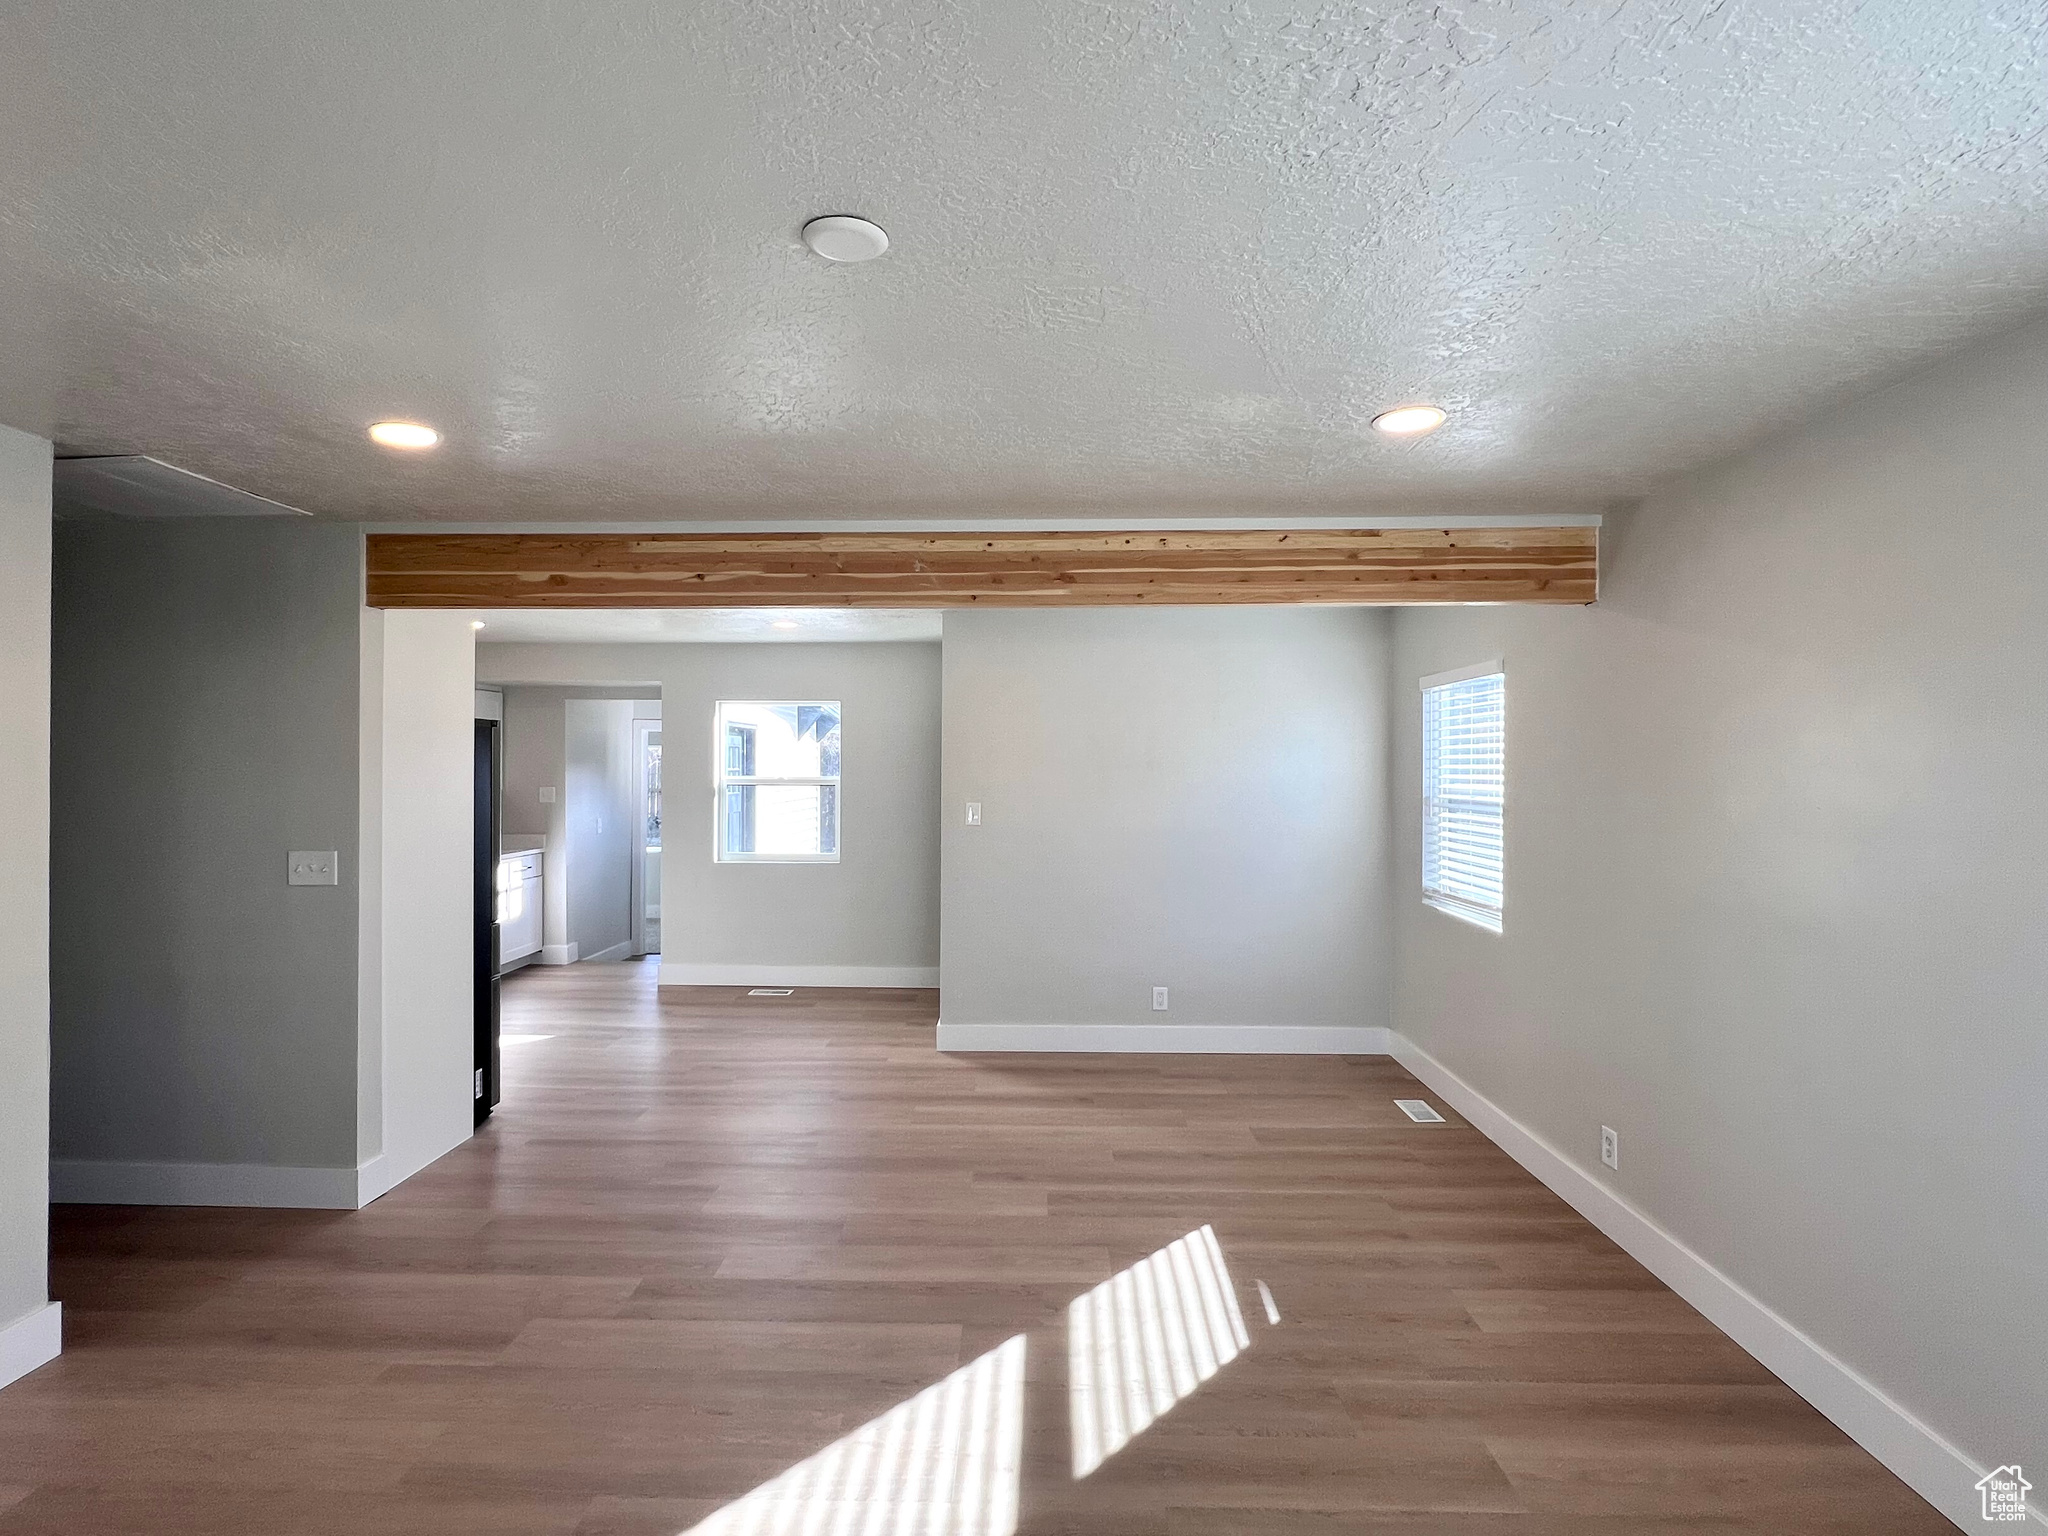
964	570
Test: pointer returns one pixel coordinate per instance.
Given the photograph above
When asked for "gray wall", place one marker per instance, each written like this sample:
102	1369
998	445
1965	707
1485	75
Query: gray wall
1193	798
24	874
1775	907
536	732
597	791
878	907
206	677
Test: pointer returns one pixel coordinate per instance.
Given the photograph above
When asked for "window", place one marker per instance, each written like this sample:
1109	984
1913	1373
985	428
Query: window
778	783
650	784
1464	792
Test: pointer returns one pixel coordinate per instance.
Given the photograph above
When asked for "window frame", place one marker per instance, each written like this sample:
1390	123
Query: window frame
721	780
1478	915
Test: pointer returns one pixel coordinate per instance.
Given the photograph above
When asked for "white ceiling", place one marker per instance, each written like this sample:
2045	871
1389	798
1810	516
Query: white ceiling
1151	258
584	626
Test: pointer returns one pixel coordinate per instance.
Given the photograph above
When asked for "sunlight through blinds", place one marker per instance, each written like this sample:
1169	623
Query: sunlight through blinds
945	1463
1464	792
1146	1338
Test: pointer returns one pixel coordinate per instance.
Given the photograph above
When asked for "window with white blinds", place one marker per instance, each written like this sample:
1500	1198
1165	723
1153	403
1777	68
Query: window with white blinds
1464	792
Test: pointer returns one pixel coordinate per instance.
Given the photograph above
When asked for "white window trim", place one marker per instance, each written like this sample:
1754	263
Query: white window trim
1478	917
719	781
1463	674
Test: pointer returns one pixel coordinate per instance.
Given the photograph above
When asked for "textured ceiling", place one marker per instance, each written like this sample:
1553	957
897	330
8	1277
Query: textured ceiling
1152	257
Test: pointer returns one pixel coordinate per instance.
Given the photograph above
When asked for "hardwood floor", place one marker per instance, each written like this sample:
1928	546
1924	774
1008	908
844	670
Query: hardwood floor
708	1238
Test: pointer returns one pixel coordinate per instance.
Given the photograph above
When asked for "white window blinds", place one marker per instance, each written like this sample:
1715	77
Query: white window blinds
1464	791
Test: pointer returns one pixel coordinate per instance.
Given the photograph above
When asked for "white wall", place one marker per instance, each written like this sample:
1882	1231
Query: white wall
424	820
872	918
1775	905
28	1324
1192	798
370	903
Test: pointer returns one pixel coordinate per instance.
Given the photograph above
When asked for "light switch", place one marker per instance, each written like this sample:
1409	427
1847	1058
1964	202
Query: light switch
313	868
974	813
547	794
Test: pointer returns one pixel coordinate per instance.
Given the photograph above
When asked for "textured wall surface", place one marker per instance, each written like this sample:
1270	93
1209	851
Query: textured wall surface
1774	902
1160	257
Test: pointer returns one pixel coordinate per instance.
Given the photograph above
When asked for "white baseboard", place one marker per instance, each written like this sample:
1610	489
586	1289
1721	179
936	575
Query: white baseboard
1170	1039
79	1182
620	951
30	1342
556	954
372	1179
519	962
1920	1457
678	973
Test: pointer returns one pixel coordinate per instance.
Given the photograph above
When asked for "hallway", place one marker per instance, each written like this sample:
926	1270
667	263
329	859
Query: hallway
707	1236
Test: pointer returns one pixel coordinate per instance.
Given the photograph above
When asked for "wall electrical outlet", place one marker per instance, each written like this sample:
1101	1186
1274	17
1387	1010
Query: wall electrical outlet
974	813
1159	999
312	868
1610	1147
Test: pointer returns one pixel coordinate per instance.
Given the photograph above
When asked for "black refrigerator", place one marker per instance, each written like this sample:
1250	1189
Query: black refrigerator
490	784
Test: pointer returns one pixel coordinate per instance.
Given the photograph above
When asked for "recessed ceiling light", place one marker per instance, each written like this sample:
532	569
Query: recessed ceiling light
476	623
784	624
841	237
1409	420
403	434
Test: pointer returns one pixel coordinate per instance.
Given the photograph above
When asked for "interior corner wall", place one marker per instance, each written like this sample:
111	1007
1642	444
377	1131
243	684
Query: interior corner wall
427	686
1774	906
203	1022
1192	798
28	1331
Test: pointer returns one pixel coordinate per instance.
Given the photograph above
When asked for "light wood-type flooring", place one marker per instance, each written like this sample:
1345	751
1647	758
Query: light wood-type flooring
709	1238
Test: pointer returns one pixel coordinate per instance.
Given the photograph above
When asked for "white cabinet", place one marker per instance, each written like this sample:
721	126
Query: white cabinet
520	877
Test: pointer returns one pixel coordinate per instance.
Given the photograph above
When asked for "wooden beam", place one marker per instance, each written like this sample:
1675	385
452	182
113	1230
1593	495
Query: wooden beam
972	570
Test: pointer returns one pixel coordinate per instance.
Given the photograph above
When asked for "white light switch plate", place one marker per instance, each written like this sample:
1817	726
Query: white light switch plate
313	868
974	813
547	794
